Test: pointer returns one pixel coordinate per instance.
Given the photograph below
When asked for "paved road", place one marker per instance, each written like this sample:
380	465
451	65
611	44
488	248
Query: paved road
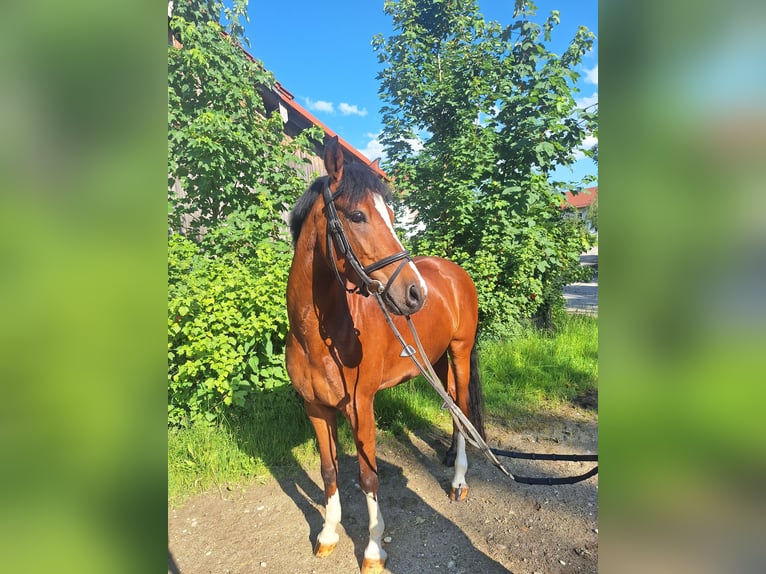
583	297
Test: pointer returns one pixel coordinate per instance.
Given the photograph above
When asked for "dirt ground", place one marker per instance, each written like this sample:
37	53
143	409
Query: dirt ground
502	527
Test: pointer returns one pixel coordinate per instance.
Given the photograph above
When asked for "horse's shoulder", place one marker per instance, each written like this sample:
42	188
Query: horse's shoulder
429	264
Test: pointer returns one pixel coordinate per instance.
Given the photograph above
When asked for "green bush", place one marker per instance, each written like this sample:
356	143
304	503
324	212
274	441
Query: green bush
231	175
477	118
226	321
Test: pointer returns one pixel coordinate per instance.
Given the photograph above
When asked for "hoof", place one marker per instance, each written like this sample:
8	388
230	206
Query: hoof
373	565
458	494
323	550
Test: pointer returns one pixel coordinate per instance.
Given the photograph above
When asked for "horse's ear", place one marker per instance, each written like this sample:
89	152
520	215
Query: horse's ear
333	161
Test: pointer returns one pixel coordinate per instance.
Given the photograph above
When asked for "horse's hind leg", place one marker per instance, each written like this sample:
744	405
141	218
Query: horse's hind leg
455	455
324	420
458	379
444	372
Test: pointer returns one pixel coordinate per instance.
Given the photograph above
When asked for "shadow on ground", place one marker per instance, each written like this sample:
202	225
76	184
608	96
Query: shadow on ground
502	527
273	526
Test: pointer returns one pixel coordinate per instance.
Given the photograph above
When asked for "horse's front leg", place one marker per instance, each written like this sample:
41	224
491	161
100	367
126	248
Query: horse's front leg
324	421
363	425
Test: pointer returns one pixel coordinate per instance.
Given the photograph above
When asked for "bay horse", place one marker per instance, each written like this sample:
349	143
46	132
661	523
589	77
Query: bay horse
340	350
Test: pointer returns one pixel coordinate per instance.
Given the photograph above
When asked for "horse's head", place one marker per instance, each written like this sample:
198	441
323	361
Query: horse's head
364	248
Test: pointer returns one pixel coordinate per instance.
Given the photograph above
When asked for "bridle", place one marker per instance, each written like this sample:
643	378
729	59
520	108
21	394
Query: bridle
337	236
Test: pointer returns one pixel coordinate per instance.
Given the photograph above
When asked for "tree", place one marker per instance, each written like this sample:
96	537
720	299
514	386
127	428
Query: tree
228	251
225	152
592	214
476	117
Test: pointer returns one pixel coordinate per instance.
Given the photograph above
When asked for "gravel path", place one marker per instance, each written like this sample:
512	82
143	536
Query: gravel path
502	526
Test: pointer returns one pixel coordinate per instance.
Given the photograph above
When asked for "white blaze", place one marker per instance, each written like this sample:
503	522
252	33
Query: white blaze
382	208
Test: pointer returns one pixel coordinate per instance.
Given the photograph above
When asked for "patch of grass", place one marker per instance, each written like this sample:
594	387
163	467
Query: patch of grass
537	370
275	436
413	405
201	457
522	377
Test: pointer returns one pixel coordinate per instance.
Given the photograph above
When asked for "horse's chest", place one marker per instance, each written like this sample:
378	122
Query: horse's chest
319	377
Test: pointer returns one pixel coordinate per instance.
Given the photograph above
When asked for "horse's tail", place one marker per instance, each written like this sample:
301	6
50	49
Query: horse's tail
476	394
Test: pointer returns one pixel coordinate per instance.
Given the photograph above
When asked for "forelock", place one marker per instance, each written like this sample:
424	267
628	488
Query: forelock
357	179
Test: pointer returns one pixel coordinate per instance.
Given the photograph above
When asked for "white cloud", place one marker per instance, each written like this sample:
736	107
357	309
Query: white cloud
587	143
416	144
591	76
374	149
351	110
320	106
329	108
587	101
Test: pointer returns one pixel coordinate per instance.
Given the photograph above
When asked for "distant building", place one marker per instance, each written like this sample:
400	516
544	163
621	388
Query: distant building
295	119
581	202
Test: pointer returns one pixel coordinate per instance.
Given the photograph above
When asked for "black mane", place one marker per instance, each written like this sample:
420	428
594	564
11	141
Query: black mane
356	180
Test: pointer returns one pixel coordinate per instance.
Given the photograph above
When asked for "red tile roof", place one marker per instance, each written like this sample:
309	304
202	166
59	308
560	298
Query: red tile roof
582	199
289	101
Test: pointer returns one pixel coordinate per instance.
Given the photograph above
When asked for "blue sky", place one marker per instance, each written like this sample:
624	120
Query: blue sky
321	52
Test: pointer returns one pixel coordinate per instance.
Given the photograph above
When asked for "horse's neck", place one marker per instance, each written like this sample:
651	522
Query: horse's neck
319	306
314	288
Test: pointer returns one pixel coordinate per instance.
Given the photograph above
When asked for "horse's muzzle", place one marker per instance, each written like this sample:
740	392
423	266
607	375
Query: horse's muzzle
407	300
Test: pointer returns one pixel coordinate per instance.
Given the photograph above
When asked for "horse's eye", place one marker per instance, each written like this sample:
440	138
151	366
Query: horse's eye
357	217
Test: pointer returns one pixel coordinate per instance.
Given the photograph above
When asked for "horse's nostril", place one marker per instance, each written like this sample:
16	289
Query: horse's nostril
414	295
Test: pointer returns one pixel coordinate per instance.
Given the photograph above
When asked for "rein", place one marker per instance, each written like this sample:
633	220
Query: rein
370	286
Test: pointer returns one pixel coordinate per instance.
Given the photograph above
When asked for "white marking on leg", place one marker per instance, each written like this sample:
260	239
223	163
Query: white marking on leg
461	463
374	550
382	208
328	535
